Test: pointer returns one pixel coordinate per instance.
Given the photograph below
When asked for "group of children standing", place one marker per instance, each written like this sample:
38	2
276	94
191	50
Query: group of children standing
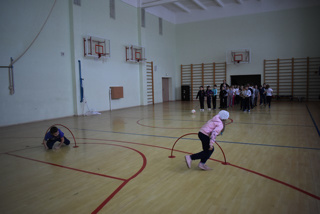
245	95
210	95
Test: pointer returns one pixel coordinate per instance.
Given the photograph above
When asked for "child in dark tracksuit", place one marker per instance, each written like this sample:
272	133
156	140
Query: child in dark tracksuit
209	94
201	94
262	95
214	96
223	98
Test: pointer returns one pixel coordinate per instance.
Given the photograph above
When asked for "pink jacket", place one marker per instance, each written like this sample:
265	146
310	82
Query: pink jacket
212	128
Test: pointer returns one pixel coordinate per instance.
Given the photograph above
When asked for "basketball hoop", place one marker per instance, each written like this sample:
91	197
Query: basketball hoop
237	58
99	50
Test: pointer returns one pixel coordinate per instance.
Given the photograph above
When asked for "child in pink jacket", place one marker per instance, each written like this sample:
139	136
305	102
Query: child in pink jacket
207	135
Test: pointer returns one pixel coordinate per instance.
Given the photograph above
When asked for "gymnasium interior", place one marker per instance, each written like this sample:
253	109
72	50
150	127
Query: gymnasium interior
120	79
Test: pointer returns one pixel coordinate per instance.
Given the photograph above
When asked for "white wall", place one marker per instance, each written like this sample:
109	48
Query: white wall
42	77
92	18
271	35
47	84
161	50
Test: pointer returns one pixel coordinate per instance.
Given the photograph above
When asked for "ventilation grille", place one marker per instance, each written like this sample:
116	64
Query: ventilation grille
160	26
112	9
143	17
77	2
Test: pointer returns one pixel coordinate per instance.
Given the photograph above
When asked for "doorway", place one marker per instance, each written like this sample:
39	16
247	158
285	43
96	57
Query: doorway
245	79
165	89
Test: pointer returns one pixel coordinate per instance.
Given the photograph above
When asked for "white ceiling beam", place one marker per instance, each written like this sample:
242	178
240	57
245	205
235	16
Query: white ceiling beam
202	6
182	7
239	1
156	3
219	2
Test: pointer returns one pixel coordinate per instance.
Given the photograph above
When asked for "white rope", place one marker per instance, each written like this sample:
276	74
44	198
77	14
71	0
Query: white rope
14	61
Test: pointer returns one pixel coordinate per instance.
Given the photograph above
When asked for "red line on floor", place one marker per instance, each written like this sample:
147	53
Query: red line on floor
109	198
278	181
156	127
125	182
30	147
239	167
143	144
138	122
66	167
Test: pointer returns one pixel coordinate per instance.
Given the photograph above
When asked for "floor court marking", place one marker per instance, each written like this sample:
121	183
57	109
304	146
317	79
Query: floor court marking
274	124
28	147
263	124
200	121
139	123
271	145
230	164
314	122
66	167
161	136
124	181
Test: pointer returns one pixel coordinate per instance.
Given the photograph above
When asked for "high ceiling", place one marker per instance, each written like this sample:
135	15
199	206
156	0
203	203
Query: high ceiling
187	6
183	11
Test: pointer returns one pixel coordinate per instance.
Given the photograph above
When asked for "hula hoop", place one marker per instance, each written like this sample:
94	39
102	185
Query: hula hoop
172	156
74	139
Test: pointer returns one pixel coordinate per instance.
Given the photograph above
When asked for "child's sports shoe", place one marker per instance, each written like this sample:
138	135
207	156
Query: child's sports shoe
204	167
188	161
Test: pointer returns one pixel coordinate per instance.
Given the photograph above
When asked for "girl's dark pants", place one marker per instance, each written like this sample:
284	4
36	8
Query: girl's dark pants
206	153
201	103
50	143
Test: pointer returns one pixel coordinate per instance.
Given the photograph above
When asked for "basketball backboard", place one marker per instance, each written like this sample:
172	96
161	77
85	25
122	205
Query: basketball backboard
135	54
238	56
96	47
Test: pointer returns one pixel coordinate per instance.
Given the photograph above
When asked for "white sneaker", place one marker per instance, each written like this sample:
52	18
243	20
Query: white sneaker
188	161
204	167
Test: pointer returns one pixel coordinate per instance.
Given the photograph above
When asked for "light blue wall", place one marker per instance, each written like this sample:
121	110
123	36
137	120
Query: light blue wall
162	51
42	77
47	84
272	35
92	18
